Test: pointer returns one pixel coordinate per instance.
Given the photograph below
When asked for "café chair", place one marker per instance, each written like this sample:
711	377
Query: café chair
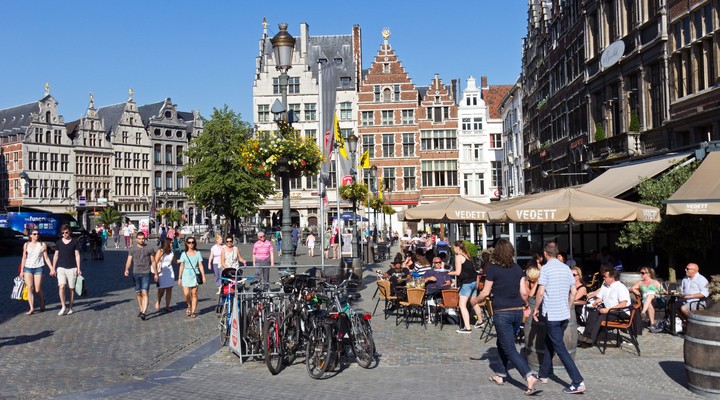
384	292
414	306
625	325
450	301
487	311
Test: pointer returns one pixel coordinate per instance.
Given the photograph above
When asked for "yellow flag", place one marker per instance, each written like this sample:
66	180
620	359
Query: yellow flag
365	159
381	186
339	139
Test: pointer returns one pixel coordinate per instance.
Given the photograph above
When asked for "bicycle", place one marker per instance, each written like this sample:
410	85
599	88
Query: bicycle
229	287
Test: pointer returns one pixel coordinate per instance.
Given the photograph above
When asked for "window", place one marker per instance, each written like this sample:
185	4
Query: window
310	112
118	159
128	185
345	133
332	184
438	114
138	138
477	124
368	144
263	113
57	139
311	135
65	163
408	117
125	137
118	186
439	173
43	161
295	183
168	181
311	182
126	160
438	139
386	68
388	145
158	180
472	152
466	124
496	167
145	158
157	154
136	186
32	160
387	95
345	111
168	154
295	108
409	178
474	184
179	155
389	178
136	161
146	187
376	90
495	140
53	162
345	81
397	92
388	117
368	118
179	182
408	143
294	85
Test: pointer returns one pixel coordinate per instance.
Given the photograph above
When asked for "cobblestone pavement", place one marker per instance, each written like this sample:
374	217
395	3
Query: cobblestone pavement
105	351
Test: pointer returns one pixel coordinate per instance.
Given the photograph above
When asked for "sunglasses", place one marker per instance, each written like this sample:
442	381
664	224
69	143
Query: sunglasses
66	233
643	272
575	274
190	242
34	234
228	241
437	262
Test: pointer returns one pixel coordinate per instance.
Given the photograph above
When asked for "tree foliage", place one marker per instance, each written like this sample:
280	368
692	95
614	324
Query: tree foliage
675	234
171	215
217	180
109	216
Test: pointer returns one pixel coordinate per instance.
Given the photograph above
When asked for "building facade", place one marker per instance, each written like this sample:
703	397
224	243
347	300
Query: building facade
513	158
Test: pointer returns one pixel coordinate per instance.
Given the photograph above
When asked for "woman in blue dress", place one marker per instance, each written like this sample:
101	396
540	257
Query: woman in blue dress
190	266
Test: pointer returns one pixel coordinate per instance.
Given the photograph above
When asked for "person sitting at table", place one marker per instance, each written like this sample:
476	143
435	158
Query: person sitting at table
485	261
420	257
580	289
467	280
647	288
615	296
693	289
397	274
437	279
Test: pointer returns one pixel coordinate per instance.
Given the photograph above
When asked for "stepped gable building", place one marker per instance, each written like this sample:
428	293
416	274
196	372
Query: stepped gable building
36	152
410	132
93	160
345	53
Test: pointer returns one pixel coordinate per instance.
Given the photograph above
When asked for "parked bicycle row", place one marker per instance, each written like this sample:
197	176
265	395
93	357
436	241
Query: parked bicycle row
299	316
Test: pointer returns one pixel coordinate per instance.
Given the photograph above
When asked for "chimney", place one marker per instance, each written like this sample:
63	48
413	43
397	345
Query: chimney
357	54
304	30
483	82
453	88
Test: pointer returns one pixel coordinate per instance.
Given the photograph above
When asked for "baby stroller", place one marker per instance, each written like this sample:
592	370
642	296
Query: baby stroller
227	280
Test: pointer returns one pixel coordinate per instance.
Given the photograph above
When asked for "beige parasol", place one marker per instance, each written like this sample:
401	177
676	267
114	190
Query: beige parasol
453	209
700	195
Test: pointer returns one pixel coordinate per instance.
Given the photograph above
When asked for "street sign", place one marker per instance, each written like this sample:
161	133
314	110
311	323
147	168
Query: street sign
347	180
81	201
102	201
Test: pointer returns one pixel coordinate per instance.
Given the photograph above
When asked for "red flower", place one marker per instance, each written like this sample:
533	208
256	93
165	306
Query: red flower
267	174
303	162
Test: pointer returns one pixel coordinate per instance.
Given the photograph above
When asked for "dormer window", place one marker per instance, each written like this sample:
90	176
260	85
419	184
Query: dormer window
322	60
338	60
168	114
345	81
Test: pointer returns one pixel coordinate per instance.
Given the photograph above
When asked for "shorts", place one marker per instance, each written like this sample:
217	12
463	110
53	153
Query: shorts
34	271
142	282
67	276
468	289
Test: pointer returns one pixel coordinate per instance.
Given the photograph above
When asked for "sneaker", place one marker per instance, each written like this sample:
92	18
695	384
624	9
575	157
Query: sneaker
572	389
62	311
464	330
70	311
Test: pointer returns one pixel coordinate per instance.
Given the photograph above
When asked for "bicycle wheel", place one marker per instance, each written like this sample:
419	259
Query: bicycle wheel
223	325
291	337
363	344
318	352
271	345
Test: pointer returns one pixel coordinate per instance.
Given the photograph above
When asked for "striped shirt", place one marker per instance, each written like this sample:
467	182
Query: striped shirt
557	280
262	250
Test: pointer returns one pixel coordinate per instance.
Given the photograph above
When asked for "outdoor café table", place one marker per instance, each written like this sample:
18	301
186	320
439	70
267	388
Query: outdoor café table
671	301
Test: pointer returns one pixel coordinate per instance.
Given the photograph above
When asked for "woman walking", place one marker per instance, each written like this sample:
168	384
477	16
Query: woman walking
467	280
230	256
310	241
510	302
190	267
214	261
34	253
166	276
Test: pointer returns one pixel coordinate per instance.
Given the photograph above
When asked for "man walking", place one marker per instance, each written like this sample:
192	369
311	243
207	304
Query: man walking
262	257
141	258
66	265
556	294
295	238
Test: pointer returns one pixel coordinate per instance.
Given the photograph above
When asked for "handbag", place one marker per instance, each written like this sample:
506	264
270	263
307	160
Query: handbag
198	275
18	288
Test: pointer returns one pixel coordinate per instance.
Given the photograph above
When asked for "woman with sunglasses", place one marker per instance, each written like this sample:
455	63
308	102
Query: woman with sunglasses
166	277
34	253
230	256
648	288
190	266
581	290
214	260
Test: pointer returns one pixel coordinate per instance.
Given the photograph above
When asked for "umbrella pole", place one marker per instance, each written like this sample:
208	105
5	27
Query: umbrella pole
484	236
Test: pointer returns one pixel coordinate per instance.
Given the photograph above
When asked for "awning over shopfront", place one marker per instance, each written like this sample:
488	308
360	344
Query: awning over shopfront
618	180
701	193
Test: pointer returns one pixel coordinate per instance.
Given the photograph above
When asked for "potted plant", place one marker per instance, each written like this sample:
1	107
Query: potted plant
634	122
599	132
702	344
354	192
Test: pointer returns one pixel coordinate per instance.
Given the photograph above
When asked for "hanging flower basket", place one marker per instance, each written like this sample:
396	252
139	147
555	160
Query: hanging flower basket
354	192
281	151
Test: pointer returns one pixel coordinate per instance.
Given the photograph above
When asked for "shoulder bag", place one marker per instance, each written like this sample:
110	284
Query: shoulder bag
198	275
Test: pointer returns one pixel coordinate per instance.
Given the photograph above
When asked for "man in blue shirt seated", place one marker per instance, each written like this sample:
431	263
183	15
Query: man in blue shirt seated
437	278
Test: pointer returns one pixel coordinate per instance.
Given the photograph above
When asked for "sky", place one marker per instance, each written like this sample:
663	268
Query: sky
202	53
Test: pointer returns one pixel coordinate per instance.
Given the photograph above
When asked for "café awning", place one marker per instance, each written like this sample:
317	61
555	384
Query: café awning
618	180
701	193
453	209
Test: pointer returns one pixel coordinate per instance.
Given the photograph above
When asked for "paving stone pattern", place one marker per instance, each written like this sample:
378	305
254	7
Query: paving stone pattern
105	351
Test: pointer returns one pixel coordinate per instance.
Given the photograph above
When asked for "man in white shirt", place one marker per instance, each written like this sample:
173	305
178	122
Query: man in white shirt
694	289
615	296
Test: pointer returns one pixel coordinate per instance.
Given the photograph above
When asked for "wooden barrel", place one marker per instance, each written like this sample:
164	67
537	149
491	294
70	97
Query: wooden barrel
535	343
630	278
702	352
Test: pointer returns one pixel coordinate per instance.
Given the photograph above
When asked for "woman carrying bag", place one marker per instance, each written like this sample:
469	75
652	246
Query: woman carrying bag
191	275
34	253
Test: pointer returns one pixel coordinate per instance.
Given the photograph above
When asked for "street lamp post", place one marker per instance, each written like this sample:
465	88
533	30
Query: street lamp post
352	141
373	187
388	190
283	44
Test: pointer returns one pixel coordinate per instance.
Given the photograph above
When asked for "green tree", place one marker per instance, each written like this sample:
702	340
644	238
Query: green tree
217	180
675	234
171	216
109	216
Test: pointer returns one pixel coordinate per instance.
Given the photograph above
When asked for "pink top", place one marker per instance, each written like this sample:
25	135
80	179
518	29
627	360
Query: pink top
262	250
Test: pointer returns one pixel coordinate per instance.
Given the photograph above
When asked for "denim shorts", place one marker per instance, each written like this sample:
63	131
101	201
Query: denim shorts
142	282
468	289
34	271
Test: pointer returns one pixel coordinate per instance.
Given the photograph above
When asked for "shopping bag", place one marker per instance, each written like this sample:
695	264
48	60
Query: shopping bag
80	287
19	285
